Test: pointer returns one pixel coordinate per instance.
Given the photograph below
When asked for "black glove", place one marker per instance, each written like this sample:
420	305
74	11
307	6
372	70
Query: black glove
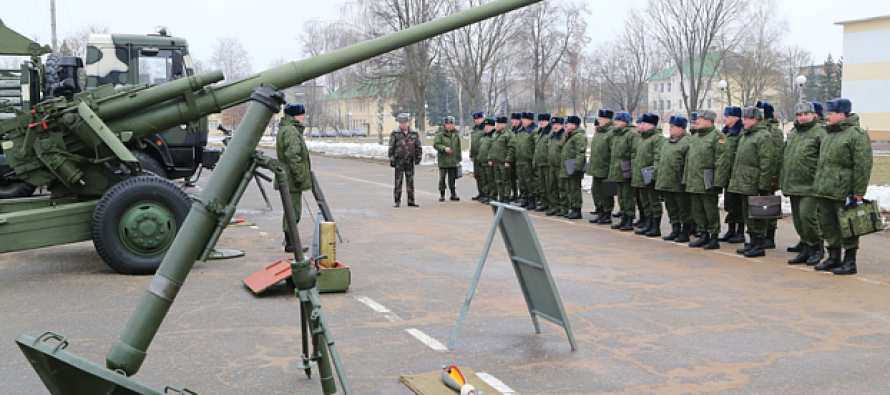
299	185
417	161
763	193
392	163
719	190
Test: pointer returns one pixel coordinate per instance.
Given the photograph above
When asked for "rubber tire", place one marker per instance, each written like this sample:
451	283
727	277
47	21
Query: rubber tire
16	190
111	207
149	163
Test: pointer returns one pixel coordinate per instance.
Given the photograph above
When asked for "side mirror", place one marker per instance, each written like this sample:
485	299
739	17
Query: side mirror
178	70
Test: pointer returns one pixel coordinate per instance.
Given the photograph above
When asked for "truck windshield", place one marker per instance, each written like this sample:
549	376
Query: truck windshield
156	68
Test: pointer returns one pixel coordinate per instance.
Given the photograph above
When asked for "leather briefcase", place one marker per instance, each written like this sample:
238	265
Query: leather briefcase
765	207
626	170
610	188
460	171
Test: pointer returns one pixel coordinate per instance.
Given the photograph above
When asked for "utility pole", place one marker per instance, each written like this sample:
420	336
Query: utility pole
52	13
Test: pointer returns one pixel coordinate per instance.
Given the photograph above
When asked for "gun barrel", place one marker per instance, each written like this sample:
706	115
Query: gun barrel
154	95
216	99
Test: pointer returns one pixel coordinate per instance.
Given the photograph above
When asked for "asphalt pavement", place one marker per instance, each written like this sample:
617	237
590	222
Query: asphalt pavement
649	316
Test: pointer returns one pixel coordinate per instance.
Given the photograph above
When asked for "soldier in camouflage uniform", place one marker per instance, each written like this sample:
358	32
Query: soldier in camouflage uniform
798	173
475	136
600	158
732	202
669	164
525	151
706	174
575	147
516	125
778	137
556	185
405	151
540	162
502	157
294	157
447	143
842	172
648	145
620	171
752	175
482	166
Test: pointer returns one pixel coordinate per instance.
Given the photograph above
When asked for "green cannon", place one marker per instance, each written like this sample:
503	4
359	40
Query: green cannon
84	128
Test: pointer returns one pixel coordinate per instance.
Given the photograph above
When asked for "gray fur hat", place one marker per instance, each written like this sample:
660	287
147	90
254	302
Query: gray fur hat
752	113
707	114
449	119
403	117
803	107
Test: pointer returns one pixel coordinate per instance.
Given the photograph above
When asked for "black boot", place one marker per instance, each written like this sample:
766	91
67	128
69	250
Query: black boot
745	247
833	261
575	214
606	219
712	242
730	232
675	231
647	224
756	249
523	201
505	199
477	197
541	209
739	236
482	199
654	227
620	223
796	248
818	252
597	212
642	222
442	196
683	236
848	266
769	242
704	239
616	214
454	195
628	226
551	213
803	256
597	219
693	230
514	197
288	247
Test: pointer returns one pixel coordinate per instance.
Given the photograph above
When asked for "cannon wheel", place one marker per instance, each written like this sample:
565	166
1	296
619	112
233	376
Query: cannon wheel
16	189
150	164
136	221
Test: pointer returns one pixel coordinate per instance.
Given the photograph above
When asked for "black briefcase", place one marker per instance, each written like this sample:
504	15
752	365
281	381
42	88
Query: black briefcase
460	171
626	170
610	188
647	175
681	170
765	207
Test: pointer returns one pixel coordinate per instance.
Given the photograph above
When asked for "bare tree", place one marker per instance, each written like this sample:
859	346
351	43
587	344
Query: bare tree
756	63
696	34
230	56
75	44
795	60
584	86
626	72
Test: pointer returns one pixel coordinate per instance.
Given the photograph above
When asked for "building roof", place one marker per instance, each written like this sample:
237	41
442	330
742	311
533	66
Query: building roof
357	90
711	65
862	20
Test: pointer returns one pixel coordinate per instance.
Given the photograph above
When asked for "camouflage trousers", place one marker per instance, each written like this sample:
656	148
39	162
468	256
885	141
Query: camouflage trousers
406	170
677	206
526	179
541	186
503	178
705	212
514	178
650	202
555	189
297	203
478	176
485	176
573	192
805	212
603	203
626	200
831	228
450	173
732	203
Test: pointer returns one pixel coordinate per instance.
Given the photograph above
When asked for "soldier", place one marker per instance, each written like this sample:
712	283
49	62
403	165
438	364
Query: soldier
732	202
752	175
818	108
540	162
478	130
556	186
778	138
502	155
483	158
447	142
575	147
405	151
600	157
516	123
843	171
670	162
798	173
525	151
620	171
649	144
706	174
294	157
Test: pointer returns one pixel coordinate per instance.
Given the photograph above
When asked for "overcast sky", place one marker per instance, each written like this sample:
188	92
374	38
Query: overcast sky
269	28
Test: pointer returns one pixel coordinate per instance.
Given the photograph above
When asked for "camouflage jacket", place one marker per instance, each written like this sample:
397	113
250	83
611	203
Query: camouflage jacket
648	144
732	142
623	141
800	158
484	154
478	130
752	171
707	151
293	154
601	151
845	161
775	131
405	148
525	145
575	147
444	139
668	160
554	148
503	146
542	136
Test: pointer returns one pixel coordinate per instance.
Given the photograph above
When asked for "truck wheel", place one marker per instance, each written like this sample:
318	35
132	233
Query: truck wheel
149	163
136	221
10	190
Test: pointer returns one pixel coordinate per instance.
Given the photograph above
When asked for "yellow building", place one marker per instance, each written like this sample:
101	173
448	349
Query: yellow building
866	75
357	107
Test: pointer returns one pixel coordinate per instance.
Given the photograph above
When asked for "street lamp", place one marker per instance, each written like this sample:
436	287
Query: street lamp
722	84
801	80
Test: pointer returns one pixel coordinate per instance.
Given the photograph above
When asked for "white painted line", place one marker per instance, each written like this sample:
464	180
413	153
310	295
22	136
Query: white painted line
734	255
255	227
373	305
263	234
429	341
495	383
392	317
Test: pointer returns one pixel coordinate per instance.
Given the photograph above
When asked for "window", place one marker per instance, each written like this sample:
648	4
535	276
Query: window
669	86
709	104
662	86
655	104
668	104
661	105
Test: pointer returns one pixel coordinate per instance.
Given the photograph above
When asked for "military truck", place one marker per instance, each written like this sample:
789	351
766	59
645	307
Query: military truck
120	60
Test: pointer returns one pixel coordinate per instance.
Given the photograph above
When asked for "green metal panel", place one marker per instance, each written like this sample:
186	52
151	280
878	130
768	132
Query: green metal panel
46	226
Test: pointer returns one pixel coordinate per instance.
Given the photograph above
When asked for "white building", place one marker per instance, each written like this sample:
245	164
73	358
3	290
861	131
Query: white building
866	74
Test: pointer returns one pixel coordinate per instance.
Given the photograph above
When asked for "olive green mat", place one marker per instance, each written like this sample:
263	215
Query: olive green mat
431	383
